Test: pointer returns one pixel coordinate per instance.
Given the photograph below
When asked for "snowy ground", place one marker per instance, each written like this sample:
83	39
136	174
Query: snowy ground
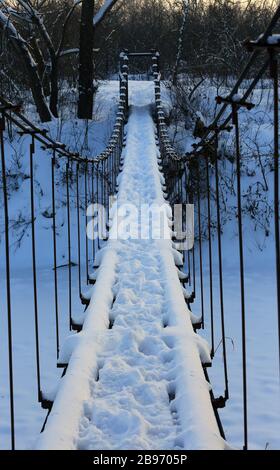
262	346
264	412
29	415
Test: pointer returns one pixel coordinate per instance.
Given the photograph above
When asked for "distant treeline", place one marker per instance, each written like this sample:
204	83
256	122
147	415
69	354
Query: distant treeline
212	38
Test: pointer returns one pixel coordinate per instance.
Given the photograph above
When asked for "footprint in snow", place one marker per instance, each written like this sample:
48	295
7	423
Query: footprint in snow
116	375
119	423
150	393
152	346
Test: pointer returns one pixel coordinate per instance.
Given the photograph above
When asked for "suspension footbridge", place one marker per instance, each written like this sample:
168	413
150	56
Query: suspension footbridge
135	368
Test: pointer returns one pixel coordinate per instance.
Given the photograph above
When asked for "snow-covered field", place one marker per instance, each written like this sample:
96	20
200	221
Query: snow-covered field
262	346
264	411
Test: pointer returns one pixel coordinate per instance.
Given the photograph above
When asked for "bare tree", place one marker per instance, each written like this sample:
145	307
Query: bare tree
20	47
31	22
27	10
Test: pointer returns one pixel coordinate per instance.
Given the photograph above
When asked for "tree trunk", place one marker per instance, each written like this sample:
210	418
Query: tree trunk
38	56
54	87
34	81
54	62
37	93
85	103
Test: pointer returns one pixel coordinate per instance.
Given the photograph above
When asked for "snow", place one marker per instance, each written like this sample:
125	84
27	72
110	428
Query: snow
28	413
69	51
127	387
274	39
107	5
236	98
7	25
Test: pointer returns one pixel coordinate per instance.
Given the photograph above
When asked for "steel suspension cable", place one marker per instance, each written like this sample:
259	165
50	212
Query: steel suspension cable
8	282
34	268
242	280
69	244
210	259
97	201
86	237
200	243
78	228
274	69
221	283
53	163
188	251
193	253
92	202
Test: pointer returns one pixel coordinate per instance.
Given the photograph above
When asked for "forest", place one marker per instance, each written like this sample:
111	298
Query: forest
50	46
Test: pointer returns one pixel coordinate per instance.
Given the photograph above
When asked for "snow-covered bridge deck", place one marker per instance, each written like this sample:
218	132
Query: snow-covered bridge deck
135	378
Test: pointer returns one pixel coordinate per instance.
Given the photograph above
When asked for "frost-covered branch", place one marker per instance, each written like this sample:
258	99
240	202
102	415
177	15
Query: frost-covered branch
75	50
103	11
38	21
65	25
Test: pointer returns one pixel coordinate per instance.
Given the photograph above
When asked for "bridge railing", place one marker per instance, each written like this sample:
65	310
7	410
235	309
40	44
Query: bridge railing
195	178
76	182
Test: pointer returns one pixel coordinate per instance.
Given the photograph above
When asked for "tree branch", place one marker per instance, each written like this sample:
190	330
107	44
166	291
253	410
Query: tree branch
103	11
